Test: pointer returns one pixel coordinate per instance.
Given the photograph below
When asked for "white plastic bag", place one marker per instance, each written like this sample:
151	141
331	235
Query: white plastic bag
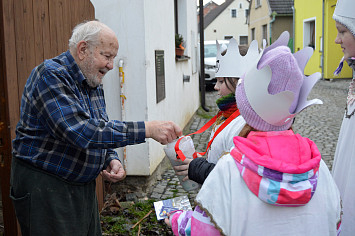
186	145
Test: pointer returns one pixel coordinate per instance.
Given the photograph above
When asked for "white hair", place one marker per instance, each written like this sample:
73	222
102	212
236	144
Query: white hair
87	31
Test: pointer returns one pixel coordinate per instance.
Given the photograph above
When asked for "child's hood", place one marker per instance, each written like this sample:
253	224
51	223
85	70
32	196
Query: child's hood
281	168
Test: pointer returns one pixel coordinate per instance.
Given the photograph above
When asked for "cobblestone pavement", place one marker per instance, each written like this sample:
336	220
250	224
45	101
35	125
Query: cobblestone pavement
320	123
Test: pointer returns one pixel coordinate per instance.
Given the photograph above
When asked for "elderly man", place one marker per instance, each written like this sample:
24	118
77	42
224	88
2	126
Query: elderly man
64	138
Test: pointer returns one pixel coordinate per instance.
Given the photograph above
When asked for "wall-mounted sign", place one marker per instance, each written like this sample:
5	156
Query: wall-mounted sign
160	74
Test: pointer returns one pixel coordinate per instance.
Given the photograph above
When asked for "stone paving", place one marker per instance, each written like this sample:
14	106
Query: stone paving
320	123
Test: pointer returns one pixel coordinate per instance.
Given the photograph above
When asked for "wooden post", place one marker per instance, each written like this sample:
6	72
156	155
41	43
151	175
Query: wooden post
30	31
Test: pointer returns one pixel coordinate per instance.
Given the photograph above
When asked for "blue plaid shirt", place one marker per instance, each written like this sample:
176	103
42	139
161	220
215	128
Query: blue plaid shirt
64	128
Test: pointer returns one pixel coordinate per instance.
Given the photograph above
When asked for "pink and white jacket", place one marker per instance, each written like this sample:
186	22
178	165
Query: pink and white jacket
271	183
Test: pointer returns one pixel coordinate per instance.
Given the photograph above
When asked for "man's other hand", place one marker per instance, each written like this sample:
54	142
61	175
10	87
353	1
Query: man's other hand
114	172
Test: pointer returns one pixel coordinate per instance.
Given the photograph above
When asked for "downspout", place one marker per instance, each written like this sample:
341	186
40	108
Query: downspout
202	59
322	49
123	98
273	14
293	29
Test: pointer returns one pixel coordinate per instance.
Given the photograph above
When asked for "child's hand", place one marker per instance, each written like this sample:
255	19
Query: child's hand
183	169
167	220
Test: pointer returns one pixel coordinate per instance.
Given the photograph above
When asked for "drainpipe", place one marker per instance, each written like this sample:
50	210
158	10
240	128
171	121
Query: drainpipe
273	14
293	29
123	98
202	59
322	49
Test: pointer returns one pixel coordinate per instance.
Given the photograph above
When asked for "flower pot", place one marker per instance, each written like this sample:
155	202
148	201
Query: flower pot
179	52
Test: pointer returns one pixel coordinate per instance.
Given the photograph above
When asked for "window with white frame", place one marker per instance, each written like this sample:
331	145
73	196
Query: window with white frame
252	34
234	13
257	3
309	33
264	30
243	40
180	16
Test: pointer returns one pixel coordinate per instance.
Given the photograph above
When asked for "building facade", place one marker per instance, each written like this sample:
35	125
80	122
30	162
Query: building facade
315	27
227	21
157	85
268	19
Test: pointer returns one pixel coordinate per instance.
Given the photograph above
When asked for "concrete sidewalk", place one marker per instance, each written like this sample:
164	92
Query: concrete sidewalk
320	123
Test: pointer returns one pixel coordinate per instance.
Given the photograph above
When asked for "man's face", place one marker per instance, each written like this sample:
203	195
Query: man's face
346	40
99	59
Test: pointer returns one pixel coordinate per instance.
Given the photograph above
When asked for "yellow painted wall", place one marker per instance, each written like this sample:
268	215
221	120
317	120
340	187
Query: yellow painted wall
333	52
305	9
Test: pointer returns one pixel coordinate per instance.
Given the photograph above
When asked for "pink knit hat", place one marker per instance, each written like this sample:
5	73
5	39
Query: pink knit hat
275	89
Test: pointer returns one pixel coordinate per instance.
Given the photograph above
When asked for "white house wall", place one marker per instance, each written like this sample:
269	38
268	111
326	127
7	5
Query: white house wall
143	26
225	25
181	98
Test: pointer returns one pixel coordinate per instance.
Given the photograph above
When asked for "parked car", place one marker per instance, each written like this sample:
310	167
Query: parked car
210	48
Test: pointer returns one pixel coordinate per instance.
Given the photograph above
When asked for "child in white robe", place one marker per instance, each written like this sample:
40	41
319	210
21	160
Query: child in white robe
273	181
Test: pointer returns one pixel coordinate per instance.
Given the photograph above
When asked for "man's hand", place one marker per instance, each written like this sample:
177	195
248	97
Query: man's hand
183	169
114	172
162	131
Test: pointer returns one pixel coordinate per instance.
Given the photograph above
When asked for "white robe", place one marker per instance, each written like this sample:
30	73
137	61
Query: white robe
238	212
224	140
344	172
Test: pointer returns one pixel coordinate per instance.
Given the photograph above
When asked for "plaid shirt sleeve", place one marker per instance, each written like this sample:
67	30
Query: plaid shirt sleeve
110	155
64	111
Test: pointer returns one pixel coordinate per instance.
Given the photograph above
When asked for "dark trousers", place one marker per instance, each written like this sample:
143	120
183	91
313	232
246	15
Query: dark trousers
48	205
